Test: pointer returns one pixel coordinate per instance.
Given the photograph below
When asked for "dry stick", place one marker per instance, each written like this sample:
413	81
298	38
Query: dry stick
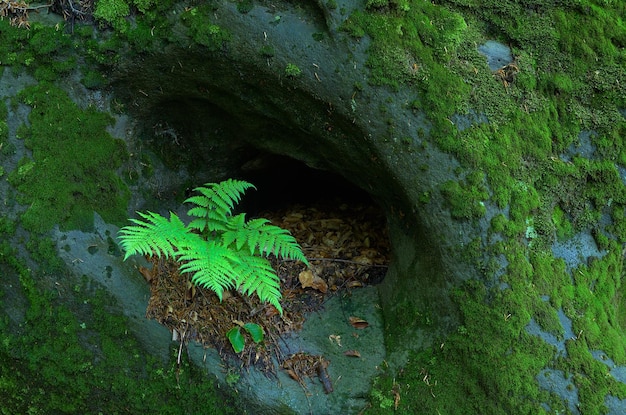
30	8
74	10
347	261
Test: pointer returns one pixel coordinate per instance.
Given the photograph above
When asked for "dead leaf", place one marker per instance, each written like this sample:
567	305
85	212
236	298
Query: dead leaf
307	279
358	323
363	260
396	399
332	224
293	217
147	273
271	311
335	338
322	373
352	353
293	375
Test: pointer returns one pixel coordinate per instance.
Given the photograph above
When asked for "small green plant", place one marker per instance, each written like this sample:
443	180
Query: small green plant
245	6
236	338
292	70
220	250
113	12
232	378
267	51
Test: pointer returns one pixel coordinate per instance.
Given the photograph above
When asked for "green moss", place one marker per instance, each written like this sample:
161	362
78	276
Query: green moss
93	79
245	6
466	198
202	31
411	45
474	368
85	361
42	51
563	225
44	251
72	171
113	12
267	51
292	71
547	318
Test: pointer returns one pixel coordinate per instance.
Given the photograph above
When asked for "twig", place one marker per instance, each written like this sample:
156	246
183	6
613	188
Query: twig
74	10
347	261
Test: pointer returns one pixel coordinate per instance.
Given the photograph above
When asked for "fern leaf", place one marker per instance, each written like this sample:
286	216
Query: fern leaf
211	265
215	203
155	235
259	236
256	275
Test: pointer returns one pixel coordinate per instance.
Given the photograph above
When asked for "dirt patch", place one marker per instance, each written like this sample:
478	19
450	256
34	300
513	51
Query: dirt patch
347	247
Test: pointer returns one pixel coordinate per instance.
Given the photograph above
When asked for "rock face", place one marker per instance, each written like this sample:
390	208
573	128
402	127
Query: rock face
287	82
240	98
227	106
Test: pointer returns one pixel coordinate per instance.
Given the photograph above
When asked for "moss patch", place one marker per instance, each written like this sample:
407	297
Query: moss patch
466	199
72	169
73	354
44	51
549	184
411	45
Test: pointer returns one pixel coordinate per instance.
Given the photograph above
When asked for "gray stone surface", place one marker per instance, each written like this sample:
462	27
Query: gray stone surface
497	54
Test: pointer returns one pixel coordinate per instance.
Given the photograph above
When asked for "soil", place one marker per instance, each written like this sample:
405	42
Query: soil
347	248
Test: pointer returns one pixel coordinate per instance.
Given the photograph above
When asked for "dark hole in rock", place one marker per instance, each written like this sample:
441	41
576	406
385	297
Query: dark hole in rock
281	181
343	234
337	219
336	222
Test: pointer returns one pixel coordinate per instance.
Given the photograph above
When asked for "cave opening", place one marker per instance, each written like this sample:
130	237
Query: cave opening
282	181
341	228
325	211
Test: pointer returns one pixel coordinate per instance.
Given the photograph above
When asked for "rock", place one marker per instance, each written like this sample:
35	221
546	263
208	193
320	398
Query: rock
498	55
288	82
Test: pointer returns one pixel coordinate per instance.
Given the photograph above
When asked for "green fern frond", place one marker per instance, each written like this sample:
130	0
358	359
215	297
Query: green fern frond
211	266
155	235
256	275
213	222
229	252
259	236
215	203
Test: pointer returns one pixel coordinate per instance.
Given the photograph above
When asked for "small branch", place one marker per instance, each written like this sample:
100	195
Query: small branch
27	8
41	6
347	261
74	10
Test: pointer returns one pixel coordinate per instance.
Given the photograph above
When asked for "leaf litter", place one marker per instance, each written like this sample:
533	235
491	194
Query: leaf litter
347	248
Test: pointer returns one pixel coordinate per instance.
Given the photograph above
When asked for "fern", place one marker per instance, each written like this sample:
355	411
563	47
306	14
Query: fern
229	252
215	204
154	236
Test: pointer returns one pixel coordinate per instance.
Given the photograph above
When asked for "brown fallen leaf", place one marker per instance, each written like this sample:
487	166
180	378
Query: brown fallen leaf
335	338
363	260
271	311
358	323
352	353
148	274
293	375
307	279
